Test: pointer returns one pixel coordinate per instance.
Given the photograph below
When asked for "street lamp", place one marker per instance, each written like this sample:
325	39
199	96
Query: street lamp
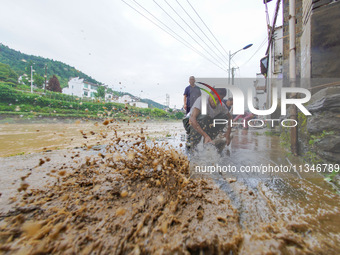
232	55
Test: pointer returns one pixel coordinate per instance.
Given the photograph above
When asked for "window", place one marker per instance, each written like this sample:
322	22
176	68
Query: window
86	85
86	93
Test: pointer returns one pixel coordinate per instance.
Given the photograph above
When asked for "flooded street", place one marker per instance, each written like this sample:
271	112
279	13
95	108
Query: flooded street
17	139
147	127
101	188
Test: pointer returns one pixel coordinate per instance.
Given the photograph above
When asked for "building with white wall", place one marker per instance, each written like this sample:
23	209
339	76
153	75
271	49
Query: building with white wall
80	88
125	99
110	97
139	104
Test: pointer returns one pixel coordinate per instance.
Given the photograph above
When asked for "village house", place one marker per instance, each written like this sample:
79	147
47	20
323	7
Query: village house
81	88
139	104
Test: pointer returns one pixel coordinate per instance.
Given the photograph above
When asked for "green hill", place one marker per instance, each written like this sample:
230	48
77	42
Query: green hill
152	103
21	64
17	64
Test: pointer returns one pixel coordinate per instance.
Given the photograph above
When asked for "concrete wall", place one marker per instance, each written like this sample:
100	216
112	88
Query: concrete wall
325	39
306	59
317	57
317	39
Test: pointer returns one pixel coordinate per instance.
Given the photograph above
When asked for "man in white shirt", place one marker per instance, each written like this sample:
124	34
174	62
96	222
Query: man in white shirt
198	126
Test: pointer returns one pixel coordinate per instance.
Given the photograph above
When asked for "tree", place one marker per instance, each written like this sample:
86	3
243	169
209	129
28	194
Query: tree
21	63
179	115
54	85
110	91
25	80
7	74
100	92
38	80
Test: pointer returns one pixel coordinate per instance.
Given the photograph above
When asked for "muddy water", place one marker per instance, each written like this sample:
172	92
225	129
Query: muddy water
301	199
16	139
23	145
119	194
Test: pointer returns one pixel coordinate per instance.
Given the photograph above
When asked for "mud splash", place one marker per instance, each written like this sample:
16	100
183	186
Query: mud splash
137	196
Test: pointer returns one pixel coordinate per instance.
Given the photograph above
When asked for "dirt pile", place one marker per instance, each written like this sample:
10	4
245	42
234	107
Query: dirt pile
136	197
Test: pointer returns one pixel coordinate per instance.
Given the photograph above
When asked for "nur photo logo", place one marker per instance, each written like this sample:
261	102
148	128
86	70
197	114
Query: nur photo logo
282	100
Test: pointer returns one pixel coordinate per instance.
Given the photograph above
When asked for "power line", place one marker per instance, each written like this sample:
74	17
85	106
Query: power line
260	47
186	43
207	27
183	41
272	28
235	62
157	20
202	31
192	30
185	30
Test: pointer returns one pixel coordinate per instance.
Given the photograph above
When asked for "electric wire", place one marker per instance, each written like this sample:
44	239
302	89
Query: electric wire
157	24
192	47
193	30
272	28
183	41
207	27
234	62
202	31
267	18
184	30
259	48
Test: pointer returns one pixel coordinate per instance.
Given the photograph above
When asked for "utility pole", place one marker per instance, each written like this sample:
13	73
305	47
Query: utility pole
233	75
231	55
229	68
45	78
292	74
31	79
167	102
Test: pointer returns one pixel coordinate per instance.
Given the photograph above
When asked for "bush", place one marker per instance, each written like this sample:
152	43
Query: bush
179	115
7	94
66	104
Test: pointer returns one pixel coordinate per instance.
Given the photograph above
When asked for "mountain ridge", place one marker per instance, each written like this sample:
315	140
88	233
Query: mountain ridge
21	63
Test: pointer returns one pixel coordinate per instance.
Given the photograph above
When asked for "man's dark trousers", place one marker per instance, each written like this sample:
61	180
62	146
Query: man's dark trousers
206	123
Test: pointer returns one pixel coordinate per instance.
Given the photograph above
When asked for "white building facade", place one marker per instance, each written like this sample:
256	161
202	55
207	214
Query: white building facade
139	104
125	99
80	88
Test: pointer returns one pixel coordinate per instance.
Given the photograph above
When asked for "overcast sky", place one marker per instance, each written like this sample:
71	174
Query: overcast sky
111	42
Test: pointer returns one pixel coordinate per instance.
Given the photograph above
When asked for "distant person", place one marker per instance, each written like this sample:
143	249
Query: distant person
198	125
228	103
191	93
246	117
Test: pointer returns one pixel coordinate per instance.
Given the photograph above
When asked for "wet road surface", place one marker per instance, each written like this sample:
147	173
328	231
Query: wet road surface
300	203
